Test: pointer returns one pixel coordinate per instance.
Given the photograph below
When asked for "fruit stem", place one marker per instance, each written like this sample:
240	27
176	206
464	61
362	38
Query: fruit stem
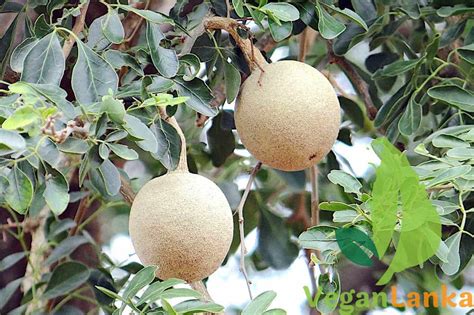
183	161
251	53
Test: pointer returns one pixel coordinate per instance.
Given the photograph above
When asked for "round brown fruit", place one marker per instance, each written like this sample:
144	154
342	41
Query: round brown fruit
288	116
182	223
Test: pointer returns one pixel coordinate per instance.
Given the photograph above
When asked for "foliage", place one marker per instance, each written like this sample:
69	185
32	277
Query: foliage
82	106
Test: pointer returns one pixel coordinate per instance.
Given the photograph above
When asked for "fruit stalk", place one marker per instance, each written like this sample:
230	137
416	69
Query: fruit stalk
183	161
251	53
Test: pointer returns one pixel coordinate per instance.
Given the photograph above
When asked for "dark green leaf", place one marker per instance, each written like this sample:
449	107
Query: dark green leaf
346	181
139	130
65	248
328	26
453	95
238	7
411	118
154	290
221	141
92	77
196	306
20	52
111	177
143	278
280	32
152	16
165	60
259	304
180	293
354	244
169	144
19	193
467	53
282	11
56	193
112	27
11	260
65	278
454	10
350	15
232	82
199	95
11	141
274	243
74	145
45	62
123	151
7	292
396	68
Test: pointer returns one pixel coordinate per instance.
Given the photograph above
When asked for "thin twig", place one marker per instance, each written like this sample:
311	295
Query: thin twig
303	45
76	29
240	211
313	175
80	213
359	84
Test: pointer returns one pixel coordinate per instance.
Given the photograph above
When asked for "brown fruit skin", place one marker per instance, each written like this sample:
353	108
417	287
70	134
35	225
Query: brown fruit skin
289	116
182	223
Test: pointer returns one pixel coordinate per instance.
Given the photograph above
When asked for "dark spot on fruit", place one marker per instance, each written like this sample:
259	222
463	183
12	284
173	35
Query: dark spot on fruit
312	156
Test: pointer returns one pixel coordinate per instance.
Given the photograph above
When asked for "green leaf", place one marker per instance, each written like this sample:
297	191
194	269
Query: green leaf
52	93
328	26
411	118
143	278
221	141
189	65
11	141
65	248
65	278
19	193
119	59
196	306
448	141
396	68
352	110
74	145
116	135
346	181
22	118
92	77
321	237
123	151
7	292
168	308
45	62
169	144
151	16
56	193
396	180
335	206
330	285
467	53
199	95
114	108
112	27
461	153
280	31
111	177
454	10
275	311
232	82
164	60
274	243
259	304
453	243
20	52
354	244
238	7
282	11
11	260
449	174
411	8
139	130
180	293
453	95
349	14
154	290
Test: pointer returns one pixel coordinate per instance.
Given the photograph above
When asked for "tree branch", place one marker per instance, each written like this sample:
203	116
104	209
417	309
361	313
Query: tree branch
76	29
359	84
251	53
240	211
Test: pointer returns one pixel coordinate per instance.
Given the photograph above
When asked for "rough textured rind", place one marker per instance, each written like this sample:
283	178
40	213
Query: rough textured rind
289	116
182	223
